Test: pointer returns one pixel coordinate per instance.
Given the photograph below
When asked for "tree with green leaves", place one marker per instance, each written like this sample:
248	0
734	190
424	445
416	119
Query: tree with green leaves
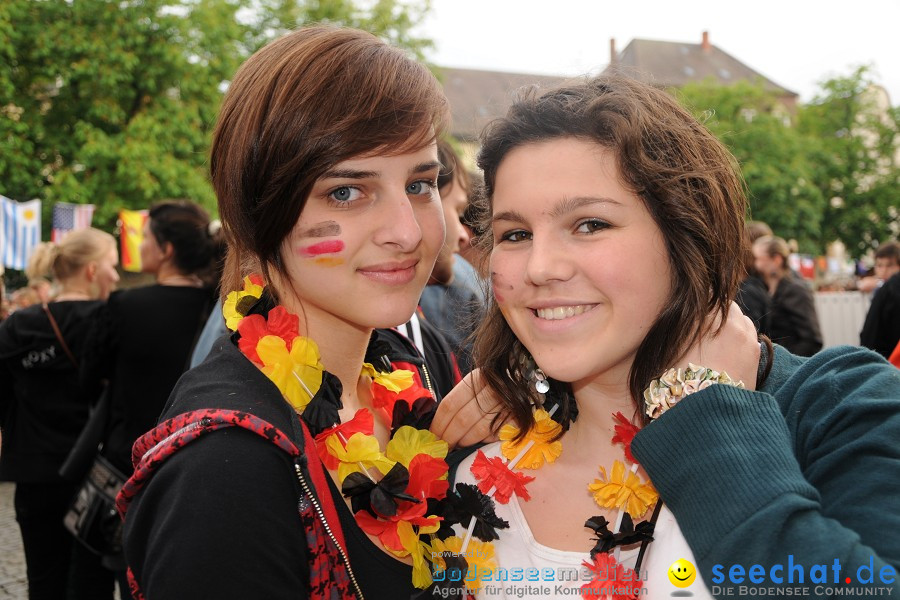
856	159
774	156
112	103
827	172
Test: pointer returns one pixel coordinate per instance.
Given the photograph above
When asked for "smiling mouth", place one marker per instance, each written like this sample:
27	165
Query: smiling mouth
561	312
679	578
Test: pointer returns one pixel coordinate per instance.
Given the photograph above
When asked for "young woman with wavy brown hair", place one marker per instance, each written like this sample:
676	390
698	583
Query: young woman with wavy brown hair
646	422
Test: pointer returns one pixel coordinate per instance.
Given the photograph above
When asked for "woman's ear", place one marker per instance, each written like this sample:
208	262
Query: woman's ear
90	271
168	250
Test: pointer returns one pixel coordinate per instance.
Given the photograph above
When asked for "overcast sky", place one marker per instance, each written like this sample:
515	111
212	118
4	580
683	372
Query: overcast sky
795	43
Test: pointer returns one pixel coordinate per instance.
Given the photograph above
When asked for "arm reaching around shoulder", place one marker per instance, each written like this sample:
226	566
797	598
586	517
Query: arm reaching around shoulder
466	415
733	349
219	520
806	471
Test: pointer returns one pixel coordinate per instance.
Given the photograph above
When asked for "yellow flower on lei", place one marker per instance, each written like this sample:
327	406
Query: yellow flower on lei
298	373
409	441
478	555
621	491
410	538
235	306
395	381
543	450
360	453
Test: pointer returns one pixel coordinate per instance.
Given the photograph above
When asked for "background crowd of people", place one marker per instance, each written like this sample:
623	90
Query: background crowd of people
69	335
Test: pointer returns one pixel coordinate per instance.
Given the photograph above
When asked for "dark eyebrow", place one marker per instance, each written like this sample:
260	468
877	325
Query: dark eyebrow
508	215
348	174
357	174
564	206
426	166
567	205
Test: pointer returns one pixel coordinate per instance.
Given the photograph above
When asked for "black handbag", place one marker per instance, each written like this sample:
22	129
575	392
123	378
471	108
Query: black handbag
92	517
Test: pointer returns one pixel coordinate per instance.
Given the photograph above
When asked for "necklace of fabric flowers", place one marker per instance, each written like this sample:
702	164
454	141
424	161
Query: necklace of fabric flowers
622	488
398	494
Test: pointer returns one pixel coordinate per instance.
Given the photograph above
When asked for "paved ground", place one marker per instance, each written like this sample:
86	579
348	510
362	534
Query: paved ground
12	560
13	584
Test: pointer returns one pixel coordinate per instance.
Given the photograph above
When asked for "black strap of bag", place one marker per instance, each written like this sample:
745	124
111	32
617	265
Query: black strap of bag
59	336
82	454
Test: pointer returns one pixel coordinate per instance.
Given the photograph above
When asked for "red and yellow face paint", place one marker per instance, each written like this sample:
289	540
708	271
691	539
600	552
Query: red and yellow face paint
320	251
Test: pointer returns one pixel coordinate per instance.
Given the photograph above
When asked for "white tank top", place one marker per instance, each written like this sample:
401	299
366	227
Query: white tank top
553	570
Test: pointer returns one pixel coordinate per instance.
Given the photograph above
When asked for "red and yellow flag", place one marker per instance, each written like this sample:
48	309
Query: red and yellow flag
131	228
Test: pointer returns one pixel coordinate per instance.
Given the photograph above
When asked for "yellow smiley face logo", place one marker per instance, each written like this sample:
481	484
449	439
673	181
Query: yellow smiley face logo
682	573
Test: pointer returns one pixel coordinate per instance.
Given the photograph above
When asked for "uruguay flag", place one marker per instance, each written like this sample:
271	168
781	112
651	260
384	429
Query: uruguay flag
20	231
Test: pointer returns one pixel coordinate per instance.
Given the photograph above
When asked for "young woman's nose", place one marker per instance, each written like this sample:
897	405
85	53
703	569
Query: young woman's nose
548	261
398	224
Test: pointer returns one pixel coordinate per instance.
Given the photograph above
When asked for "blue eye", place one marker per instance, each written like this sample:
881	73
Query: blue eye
344	194
417	188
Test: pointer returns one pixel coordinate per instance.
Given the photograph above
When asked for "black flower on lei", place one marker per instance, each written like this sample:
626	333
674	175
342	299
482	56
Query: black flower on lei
468	502
419	415
628	533
322	411
379	499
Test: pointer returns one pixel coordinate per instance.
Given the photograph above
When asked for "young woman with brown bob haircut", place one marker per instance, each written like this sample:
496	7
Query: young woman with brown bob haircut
614	222
325	166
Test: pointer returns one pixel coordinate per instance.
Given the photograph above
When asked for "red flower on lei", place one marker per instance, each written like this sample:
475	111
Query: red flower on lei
428	477
253	328
384	399
611	580
362	422
495	473
625	432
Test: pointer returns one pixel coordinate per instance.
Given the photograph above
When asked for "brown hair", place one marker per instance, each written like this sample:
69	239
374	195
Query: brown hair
889	250
757	229
186	226
452	170
686	178
298	106
775	246
66	258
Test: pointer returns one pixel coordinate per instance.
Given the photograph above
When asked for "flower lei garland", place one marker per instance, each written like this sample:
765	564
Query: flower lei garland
621	489
626	492
399	494
410	507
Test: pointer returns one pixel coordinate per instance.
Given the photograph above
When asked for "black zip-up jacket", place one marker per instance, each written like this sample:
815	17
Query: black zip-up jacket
219	518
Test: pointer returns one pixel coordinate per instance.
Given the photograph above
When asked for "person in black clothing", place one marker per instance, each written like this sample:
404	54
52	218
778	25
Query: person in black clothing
325	165
794	323
43	408
753	296
141	341
881	330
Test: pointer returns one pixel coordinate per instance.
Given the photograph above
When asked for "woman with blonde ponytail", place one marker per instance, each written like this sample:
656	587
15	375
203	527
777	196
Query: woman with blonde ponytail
44	406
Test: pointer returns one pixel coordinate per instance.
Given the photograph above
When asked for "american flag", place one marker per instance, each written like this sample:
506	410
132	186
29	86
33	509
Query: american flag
67	217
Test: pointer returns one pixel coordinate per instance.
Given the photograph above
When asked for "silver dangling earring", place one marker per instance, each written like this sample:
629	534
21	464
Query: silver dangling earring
541	384
540	381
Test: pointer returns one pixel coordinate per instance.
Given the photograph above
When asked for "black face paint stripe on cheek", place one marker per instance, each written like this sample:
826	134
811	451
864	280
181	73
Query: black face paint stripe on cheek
323	229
